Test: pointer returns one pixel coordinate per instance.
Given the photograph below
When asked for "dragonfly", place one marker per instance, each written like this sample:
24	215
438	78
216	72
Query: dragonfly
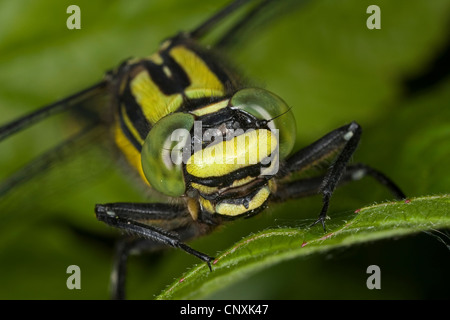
233	154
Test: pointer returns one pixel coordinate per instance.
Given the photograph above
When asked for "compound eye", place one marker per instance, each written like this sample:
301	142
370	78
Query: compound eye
266	106
161	154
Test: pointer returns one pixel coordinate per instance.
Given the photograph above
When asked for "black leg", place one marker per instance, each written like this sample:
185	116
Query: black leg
136	219
311	186
350	136
360	170
124	248
141	211
118	274
321	150
343	142
297	189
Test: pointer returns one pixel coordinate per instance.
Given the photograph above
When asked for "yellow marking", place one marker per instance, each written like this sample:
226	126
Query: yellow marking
210	108
272	186
131	154
133	60
204	189
203	92
156	58
165	45
209	190
122	87
153	102
229	209
167	72
130	126
238	183
227	156
204	83
193	208
207	205
273	167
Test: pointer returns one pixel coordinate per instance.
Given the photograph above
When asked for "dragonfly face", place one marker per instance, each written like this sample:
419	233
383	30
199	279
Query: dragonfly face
226	156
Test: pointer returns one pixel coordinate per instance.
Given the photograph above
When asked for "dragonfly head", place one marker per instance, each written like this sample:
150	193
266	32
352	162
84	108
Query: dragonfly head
224	153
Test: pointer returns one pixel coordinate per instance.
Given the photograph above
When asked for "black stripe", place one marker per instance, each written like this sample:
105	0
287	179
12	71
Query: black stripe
247	214
238	200
134	112
215	119
226	180
198	103
176	83
127	132
216	68
210	58
234	192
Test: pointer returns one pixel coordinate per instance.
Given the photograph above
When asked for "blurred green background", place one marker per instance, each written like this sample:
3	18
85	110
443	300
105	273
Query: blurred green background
321	58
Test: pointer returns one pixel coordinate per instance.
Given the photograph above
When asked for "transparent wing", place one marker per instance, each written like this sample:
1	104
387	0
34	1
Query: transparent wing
242	20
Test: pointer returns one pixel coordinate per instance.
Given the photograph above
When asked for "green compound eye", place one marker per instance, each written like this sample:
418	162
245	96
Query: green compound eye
264	105
161	153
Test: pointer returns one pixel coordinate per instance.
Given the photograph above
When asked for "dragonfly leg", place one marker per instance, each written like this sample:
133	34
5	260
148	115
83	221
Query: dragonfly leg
343	142
137	218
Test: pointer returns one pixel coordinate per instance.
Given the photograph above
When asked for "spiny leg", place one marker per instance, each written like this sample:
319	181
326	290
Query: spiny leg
351	135
136	218
311	186
360	170
124	248
343	140
124	216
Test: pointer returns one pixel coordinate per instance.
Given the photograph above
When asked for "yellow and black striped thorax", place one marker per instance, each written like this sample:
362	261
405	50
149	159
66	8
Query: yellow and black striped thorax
230	148
181	76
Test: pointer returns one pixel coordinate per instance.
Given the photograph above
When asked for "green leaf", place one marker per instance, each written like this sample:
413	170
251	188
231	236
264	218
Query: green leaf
263	249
